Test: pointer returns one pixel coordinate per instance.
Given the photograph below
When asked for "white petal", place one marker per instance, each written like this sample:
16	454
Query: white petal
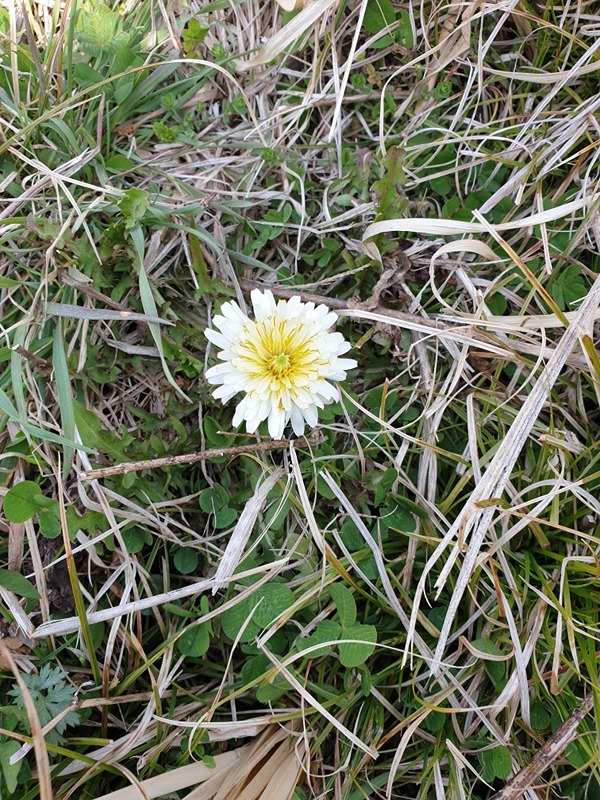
277	420
297	420
215	374
217	338
290	309
328	392
252	425
232	312
263	303
311	415
225	393
240	412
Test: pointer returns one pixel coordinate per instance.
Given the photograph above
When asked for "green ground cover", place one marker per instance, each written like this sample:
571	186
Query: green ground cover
414	608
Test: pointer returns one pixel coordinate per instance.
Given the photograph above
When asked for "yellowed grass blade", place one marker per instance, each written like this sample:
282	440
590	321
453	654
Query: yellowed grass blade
270	768
180	778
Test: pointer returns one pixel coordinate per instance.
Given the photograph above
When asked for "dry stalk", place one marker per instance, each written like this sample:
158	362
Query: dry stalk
192	458
546	756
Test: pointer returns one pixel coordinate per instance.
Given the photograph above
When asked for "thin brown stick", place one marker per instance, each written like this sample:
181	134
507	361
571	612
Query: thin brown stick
192	458
546	756
340	305
42	363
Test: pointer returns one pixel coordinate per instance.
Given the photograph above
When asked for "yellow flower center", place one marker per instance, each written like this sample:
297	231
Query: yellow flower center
280	351
280	365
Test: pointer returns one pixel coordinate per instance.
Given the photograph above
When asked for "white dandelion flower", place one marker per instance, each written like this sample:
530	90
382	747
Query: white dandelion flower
283	361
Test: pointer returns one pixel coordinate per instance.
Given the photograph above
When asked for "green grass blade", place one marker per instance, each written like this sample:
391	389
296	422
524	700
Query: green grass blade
65	396
149	306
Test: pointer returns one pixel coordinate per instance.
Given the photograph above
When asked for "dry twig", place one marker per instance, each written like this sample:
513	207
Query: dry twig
546	756
191	458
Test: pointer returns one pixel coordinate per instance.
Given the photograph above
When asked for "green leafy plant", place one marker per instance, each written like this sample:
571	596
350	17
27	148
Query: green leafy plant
51	694
391	200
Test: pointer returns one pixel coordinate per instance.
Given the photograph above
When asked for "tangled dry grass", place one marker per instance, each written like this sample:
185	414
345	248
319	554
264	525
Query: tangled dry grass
405	604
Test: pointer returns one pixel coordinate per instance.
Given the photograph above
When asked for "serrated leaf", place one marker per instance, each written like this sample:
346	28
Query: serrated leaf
164	133
52	694
194	34
353	654
344	603
97	28
388	190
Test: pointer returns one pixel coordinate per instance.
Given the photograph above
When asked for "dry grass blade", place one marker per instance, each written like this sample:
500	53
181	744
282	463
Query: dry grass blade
175	780
289	33
62	627
475	518
243	529
79	312
272	751
39	745
447	227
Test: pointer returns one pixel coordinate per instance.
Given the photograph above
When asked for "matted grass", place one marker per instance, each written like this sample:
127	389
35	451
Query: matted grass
405	603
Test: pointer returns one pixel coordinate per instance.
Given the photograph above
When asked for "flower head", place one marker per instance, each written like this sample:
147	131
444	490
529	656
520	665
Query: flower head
283	361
